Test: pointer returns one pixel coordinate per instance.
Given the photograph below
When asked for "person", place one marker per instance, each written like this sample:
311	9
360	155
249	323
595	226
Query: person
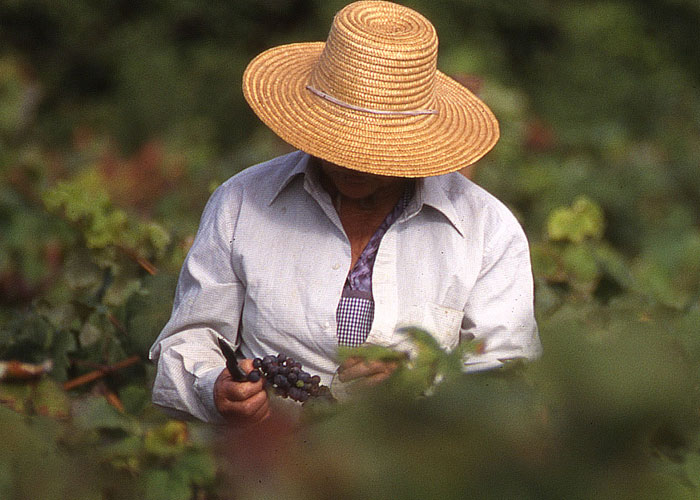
365	228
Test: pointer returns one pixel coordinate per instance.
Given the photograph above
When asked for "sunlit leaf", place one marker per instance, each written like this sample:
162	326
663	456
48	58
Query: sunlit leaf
584	219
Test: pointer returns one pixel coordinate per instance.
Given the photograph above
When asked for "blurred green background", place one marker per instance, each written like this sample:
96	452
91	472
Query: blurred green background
118	119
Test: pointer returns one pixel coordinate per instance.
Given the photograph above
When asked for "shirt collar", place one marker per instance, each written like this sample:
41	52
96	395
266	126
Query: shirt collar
433	192
430	191
302	165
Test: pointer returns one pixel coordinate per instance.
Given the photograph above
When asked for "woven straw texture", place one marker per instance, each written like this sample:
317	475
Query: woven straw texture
381	57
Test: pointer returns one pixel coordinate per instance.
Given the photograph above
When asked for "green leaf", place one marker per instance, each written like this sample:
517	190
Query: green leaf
49	399
135	398
160	484
146	311
89	334
167	440
196	468
95	413
584	219
692	469
423	338
124	453
16	396
580	264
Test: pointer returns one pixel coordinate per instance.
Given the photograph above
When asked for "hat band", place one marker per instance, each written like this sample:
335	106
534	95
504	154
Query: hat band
330	98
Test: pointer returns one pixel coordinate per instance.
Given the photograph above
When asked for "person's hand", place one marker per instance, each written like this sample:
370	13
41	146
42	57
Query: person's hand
366	372
241	402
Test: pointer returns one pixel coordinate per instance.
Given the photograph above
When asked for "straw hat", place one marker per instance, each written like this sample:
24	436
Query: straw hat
370	98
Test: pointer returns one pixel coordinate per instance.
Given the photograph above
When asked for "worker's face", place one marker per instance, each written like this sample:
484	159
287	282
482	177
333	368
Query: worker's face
358	185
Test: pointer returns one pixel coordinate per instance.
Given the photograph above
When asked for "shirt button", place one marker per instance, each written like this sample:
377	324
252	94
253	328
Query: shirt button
327	325
336	266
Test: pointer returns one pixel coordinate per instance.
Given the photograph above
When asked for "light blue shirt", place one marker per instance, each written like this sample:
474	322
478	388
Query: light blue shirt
268	265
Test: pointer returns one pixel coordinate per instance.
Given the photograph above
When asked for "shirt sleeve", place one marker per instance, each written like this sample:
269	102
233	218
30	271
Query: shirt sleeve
500	309
208	303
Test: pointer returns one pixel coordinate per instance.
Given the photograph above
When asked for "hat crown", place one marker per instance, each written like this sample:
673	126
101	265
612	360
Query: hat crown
379	55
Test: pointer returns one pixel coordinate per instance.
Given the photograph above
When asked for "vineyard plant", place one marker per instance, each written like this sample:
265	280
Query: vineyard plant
117	121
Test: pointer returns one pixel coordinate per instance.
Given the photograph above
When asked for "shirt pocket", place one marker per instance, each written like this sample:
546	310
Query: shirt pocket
443	323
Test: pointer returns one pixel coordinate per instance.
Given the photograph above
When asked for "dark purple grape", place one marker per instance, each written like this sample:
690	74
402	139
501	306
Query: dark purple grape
293	393
288	378
281	381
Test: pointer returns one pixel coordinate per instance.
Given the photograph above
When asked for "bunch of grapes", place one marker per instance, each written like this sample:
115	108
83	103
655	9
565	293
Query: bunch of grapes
288	378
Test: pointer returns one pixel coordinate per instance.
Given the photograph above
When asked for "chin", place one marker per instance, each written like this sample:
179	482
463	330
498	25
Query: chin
356	192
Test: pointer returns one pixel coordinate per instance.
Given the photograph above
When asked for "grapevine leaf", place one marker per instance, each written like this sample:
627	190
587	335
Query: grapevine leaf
16	396
94	413
584	219
422	338
89	334
135	398
123	453
167	440
196	468
160	484
50	400
692	469
146	311
580	264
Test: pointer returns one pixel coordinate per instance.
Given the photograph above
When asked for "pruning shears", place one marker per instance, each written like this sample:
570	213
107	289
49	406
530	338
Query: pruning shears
236	371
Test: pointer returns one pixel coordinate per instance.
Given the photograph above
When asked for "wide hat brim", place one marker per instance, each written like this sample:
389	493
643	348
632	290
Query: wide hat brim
462	130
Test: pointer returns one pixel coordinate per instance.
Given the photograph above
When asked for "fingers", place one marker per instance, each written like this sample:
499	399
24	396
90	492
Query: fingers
371	371
350	362
246	364
236	391
254	409
376	378
242	402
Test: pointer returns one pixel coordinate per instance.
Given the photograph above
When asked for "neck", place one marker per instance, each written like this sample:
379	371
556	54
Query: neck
360	193
375	202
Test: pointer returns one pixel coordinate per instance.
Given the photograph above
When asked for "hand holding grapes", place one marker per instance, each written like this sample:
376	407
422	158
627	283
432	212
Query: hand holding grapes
241	402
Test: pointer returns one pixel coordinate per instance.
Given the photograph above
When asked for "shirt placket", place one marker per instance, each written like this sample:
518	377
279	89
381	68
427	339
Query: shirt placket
339	264
385	290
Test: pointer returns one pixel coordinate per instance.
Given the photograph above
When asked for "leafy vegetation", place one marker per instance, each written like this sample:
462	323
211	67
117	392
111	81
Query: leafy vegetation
117	121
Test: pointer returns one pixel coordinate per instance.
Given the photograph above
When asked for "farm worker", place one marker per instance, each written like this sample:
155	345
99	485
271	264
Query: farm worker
365	228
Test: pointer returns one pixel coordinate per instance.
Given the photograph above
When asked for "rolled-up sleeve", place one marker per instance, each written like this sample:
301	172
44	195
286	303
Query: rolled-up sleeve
208	302
500	309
